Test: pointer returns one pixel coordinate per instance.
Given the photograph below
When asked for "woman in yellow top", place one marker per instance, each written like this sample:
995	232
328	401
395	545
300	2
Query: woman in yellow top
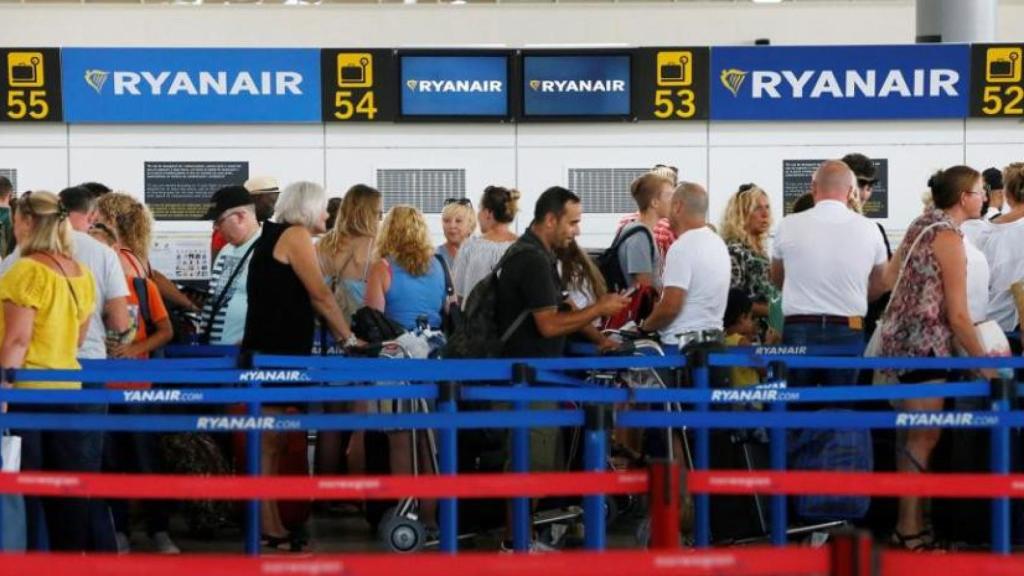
47	300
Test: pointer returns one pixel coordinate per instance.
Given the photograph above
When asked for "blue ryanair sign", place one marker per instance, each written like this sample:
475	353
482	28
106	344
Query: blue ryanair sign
840	82
191	85
450	85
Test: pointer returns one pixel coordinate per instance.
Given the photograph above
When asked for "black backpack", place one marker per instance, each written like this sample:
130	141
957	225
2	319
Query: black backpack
477	336
451	313
610	266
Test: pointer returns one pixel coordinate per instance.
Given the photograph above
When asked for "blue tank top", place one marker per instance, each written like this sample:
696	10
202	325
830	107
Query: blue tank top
410	297
356	289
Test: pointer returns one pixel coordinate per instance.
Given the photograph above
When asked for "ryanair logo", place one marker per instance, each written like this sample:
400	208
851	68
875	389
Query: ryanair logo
182	83
246	423
161	396
732	79
577	86
944	419
96	79
273	376
813	84
454	86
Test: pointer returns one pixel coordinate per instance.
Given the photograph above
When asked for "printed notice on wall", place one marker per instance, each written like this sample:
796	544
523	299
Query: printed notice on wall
181	255
12	175
182	190
796	181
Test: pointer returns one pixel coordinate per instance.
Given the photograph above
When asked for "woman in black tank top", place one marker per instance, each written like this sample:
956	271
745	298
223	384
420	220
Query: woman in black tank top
286	289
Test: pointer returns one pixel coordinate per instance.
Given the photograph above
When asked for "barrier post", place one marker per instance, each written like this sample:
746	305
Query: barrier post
448	443
1002	394
663	505
253	467
595	456
522	377
778	374
697	360
852	554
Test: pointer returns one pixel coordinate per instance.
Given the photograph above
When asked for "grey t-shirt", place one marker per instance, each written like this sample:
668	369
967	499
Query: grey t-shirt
637	255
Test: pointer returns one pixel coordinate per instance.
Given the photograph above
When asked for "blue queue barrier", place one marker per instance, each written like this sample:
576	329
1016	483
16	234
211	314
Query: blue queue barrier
997	419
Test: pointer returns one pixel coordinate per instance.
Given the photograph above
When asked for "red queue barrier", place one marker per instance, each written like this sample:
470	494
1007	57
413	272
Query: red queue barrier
732	562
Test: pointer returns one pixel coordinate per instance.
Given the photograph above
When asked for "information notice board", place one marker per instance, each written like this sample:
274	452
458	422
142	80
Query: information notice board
182	190
796	181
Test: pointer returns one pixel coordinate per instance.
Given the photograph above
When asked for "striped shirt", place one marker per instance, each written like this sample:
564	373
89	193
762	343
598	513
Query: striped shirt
228	326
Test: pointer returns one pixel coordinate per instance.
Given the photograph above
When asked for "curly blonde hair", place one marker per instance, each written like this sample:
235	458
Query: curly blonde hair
405	237
132	222
734	224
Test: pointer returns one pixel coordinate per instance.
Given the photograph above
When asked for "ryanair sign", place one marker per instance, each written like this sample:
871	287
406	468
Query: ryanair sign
184	85
579	85
840	82
454	85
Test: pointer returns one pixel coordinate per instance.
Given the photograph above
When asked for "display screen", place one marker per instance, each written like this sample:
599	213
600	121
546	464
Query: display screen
576	85
454	86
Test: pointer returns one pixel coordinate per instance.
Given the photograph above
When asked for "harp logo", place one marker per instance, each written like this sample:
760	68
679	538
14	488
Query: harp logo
732	79
96	79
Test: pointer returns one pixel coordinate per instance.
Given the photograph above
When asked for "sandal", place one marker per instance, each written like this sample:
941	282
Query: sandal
289	543
923	541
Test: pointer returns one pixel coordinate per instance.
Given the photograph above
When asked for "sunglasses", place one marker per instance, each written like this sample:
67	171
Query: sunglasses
746	188
672	168
459	201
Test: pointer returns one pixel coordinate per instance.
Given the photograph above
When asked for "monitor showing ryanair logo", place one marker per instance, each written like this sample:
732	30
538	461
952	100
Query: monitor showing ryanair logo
840	82
454	85
191	85
576	85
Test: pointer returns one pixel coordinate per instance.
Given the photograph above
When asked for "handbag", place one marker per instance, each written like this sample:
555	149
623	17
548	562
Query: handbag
874	347
13	505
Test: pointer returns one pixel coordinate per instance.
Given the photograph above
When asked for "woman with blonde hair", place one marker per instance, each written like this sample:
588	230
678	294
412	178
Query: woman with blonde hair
407	285
346	253
458	222
479	255
47	299
745	226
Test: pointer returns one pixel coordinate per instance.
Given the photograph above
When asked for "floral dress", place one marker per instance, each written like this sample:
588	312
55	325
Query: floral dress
916	322
750	274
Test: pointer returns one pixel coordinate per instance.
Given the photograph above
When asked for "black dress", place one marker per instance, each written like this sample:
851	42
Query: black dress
280	318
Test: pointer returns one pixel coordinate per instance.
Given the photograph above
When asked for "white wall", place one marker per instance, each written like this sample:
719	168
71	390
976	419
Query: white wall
514	25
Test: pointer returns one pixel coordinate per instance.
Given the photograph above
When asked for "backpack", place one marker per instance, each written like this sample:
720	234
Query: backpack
610	265
478	335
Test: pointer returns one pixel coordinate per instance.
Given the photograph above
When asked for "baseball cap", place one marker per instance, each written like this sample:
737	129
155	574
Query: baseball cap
262	185
226	199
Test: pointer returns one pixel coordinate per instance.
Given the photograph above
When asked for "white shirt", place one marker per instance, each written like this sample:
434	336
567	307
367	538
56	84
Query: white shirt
110	283
828	253
699	263
977	282
1001	244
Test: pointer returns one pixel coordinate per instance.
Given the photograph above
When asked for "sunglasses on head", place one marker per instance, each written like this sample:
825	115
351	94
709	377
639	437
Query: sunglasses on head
459	201
746	187
672	168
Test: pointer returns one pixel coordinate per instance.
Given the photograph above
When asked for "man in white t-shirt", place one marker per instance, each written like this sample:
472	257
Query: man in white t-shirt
697	275
829	262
